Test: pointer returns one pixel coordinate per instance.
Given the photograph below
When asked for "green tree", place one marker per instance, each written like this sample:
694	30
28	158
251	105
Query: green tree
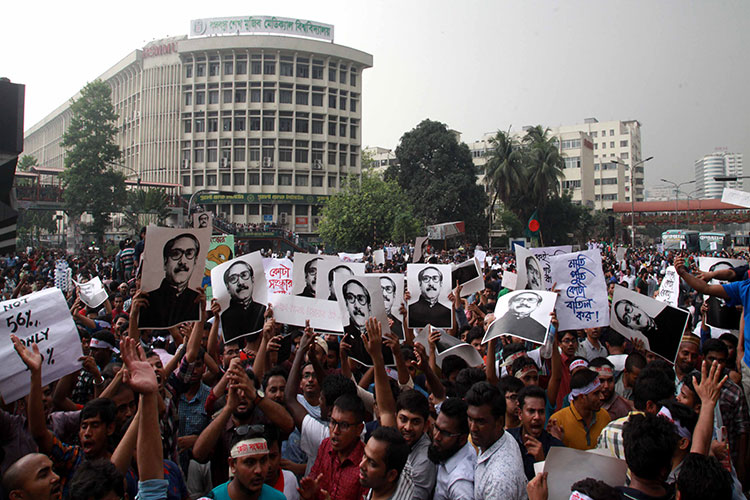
32	224
90	183
545	165
439	178
367	212
26	162
506	173
561	219
145	206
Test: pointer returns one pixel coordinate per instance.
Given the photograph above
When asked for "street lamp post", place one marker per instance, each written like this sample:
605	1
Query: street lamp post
632	195
676	195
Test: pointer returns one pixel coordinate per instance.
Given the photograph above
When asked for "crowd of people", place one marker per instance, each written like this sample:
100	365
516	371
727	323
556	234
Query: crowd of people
286	413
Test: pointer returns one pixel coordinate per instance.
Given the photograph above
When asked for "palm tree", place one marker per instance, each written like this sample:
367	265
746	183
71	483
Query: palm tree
151	206
545	164
505	169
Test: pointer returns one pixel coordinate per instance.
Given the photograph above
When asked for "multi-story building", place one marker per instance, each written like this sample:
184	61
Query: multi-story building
718	163
275	120
380	158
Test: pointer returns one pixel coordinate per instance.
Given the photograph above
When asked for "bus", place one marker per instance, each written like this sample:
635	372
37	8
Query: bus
741	242
714	242
680	239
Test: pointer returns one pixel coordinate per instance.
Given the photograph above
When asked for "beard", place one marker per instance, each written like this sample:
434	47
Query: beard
438	456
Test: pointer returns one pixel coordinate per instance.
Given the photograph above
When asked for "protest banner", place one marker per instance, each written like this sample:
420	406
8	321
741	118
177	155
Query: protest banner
529	270
736	197
431	305
92	292
566	466
220	250
543	255
378	257
328	269
295	309
351	257
469	276
620	253
42	318
658	325
524	314
669	290
449	345
481	256
509	280
719	314
239	287
583	292
278	275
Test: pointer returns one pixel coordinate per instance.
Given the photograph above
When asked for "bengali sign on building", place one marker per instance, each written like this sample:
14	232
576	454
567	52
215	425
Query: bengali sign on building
294	199
261	24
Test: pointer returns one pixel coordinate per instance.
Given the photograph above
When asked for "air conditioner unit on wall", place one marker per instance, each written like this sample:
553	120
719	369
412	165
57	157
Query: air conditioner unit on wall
317	165
186	163
282	217
267	162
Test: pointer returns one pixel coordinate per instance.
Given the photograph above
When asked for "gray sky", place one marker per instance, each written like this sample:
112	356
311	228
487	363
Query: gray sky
678	67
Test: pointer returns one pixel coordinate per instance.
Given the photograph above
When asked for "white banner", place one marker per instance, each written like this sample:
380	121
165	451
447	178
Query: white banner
261	24
278	275
543	255
92	292
481	256
378	257
351	257
295	309
583	292
736	197
509	280
669	290
42	318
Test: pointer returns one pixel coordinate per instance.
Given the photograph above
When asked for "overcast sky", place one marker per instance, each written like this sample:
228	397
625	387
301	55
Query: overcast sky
680	68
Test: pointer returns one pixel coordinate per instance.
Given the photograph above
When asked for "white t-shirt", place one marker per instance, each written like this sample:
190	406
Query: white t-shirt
290	485
313	433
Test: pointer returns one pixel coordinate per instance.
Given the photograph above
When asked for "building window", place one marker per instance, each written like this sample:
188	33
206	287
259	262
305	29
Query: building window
342	75
225	179
254	154
317	72
188	98
332	157
241	67
285	179
342	103
285	154
303	70
213	124
253	209
332	74
213	156
317	181
286	69
239	124
353	105
188	125
254	95
353	79
317	99
197	180
302	125
353	131
228	67
213	97
256	67
239	209
611	132
571	144
317	126
239	155
211	180
342	130
300	180
186	180
285	96
268	179
300	155
268	124
624	144
285	124
226	124
189	71
269	67
269	95
253	179
200	69
302	98
625	156
200	125
331	181
200	98
573	162
332	101
199	155
213	69
240	95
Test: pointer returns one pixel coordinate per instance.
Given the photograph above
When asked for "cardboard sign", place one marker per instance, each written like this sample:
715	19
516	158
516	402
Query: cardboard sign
279	274
42	318
530	275
220	250
583	292
420	249
669	290
736	197
92	292
429	285
719	314
305	273
392	286
481	256
328	270
524	314
543	255
448	345
378	257
469	276
295	309
509	280
567	466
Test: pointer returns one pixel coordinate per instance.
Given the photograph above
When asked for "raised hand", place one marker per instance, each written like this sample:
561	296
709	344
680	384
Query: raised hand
391	341
537	488
140	375
711	383
215	308
373	340
422	358
32	359
89	365
554	428
309	487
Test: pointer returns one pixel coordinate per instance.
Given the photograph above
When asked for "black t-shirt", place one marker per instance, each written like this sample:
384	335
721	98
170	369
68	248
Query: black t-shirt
627	493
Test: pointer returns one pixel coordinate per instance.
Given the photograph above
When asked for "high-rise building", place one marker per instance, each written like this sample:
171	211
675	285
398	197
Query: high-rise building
273	119
718	163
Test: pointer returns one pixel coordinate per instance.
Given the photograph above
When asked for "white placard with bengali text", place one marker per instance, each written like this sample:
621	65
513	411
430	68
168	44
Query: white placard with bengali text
509	280
278	275
42	318
669	290
295	309
543	255
736	197
583	292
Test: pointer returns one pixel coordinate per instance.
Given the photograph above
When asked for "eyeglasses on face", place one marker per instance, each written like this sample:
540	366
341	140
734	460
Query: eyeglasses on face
177	253
343	426
351	297
426	279
446	433
569	341
245	429
234	278
388	289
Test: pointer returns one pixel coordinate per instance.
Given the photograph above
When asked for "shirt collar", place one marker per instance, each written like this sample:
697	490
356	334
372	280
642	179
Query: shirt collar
354	456
486	455
458	457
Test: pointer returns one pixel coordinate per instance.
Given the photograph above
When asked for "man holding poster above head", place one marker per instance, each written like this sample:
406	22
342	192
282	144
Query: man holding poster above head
433	287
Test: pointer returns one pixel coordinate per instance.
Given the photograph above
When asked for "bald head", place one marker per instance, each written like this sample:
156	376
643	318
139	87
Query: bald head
31	477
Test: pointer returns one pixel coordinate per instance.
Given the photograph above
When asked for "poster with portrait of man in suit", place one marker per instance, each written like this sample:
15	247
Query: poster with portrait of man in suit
305	273
524	314
719	314
393	297
468	275
429	286
328	270
239	286
529	270
173	263
202	220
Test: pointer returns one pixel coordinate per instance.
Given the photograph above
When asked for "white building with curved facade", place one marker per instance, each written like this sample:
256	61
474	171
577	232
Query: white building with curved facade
719	163
274	119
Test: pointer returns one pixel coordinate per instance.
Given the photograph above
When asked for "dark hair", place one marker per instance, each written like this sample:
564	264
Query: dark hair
96	479
455	408
509	383
272	435
613	338
682	414
100	407
468	377
484	393
475	332
597	490
513	348
601	361
728	337
169	244
649	443
414	402
105	336
521	363
333	346
335	386
225	277
309	263
453	363
651	385
714	345
687	381
703	478
276	371
663	366
336	268
351	403
582	378
397	450
425	269
635	360
531	391
356	282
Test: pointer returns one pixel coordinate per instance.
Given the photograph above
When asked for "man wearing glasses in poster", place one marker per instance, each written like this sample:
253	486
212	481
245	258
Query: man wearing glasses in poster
427	310
243	316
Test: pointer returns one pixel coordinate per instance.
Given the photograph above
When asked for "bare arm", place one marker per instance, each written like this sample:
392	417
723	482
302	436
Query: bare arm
697	283
196	336
553	386
489	366
433	382
213	335
373	343
204	445
259	366
123	454
290	392
272	410
140	300
708	391
391	341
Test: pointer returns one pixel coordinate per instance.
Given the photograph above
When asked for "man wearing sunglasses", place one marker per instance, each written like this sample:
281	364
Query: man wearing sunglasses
243	316
173	302
428	309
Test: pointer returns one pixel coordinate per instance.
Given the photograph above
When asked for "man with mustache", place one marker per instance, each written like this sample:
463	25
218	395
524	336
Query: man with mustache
173	302
243	316
427	310
311	277
518	321
389	299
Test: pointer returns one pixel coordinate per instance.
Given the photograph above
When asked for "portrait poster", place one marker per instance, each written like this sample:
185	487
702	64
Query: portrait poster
449	345
509	280
583	291
720	315
42	318
669	290
378	257
173	264
524	314
278	275
566	466
469	275
305	273
328	269
202	220
392	285
429	286
239	287
543	255
360	298
221	250
420	249
529	270
92	292
658	325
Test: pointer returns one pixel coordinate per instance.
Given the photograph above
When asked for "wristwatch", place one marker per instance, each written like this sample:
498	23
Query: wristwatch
259	395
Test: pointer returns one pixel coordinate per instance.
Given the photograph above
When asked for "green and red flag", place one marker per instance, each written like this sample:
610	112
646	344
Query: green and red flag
532	227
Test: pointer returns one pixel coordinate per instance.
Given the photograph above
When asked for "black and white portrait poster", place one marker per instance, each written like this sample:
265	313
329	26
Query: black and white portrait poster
449	345
529	270
328	269
658	325
360	298
173	264
202	220
583	292
305	273
524	314
430	286
468	275
240	287
392	286
720	315
543	255
420	249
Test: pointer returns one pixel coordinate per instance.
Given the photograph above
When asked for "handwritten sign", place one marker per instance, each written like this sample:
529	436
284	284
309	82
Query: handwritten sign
294	310
481	256
583	299
42	318
351	257
669	290
509	280
92	292
543	255
736	197
278	275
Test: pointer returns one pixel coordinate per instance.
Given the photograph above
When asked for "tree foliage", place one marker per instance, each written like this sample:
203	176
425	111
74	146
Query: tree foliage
437	174
26	162
145	206
90	183
32	224
367	212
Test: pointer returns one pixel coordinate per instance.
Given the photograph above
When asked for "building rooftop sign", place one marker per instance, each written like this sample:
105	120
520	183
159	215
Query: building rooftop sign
260	24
